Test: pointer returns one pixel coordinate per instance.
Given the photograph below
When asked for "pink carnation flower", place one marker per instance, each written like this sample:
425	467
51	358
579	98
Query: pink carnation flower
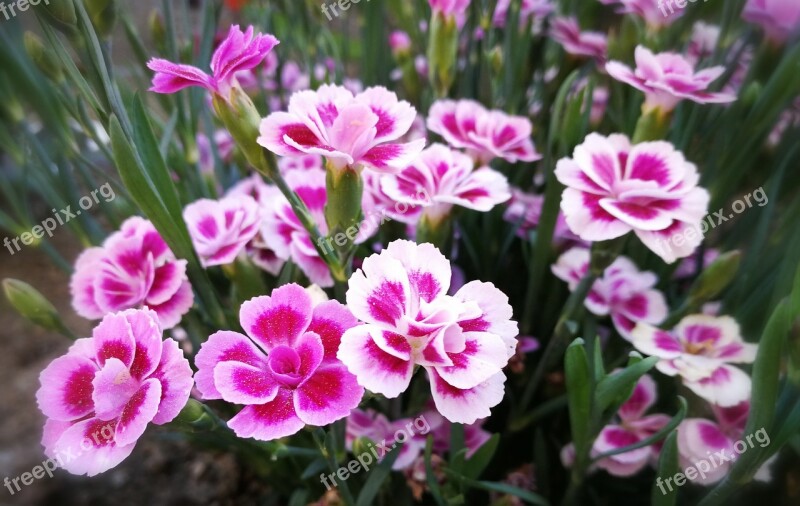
345	129
220	229
485	134
525	210
623	292
527	10
441	178
462	341
567	32
780	19
284	371
655	13
614	188
699	350
700	439
134	268
100	396
238	52
668	78
378	429
449	7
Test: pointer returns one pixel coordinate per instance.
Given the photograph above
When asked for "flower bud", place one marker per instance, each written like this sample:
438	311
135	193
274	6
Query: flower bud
60	14
33	306
715	278
241	118
43	59
103	14
442	52
157	31
194	415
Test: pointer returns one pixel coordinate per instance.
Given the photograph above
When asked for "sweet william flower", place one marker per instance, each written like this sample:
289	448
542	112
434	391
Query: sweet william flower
346	129
780	19
668	78
623	292
699	350
650	189
107	388
240	51
441	178
133	268
462	341
284	371
220	229
484	134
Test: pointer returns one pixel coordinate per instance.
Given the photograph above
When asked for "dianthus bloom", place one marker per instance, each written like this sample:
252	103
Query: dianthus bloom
631	427
656	13
360	130
462	341
238	52
527	10
441	178
284	371
449	7
133	268
699	350
485	134
220	229
668	78
780	19
614	188
378	429
100	396
567	32
623	291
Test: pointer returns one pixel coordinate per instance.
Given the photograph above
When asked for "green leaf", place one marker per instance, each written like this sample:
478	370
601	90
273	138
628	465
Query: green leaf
376	478
315	467
617	387
433	484
579	394
481	458
502	488
668	465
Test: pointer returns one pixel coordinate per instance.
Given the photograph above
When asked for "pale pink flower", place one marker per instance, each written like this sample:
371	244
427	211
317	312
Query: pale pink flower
399	41
107	388
567	32
449	8
377	203
462	341
525	209
699	350
700	439
474	434
306	162
133	268
284	371
655	13
485	134
614	188
527	10
220	229
238	52
377	428
358	130
704	41
780	19
668	78
441	178
622	292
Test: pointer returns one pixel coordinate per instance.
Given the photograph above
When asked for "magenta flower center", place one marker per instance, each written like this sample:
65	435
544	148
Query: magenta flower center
284	364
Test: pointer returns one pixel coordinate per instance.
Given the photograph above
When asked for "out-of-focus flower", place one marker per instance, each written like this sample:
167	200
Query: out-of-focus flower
378	429
485	134
284	371
688	267
632	426
567	32
399	41
107	388
668	78
623	292
220	229
347	130
450	9
780	19
699	350
305	162
614	188
474	434
526	210
790	118
239	51
703	42
134	268
462	341
700	439
527	10
656	14
441	178
600	96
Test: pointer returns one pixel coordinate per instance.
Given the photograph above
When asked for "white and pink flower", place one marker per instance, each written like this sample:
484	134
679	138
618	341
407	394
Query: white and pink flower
284	371
462	341
220	229
668	78
346	129
567	32
485	134
377	428
780	19
699	350
527	10
108	387
133	268
441	178
650	189
656	14
623	292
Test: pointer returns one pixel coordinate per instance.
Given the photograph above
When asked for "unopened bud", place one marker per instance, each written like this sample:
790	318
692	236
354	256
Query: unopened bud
241	118
715	278
43	59
103	14
33	306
